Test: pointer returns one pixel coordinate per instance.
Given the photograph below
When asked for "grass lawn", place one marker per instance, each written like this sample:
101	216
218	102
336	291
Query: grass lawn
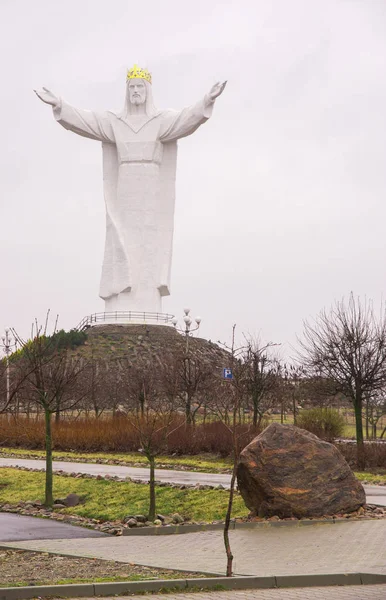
349	431
111	500
205	463
372	478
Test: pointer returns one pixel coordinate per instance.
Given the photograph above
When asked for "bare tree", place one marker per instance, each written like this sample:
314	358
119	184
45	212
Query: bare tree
261	371
190	377
347	345
100	381
321	391
291	388
114	388
227	404
140	382
153	417
46	371
375	409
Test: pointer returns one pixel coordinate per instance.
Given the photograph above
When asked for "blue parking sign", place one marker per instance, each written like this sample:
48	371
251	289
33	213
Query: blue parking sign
227	374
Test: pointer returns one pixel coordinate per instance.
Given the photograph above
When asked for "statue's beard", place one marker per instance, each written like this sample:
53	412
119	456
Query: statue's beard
137	100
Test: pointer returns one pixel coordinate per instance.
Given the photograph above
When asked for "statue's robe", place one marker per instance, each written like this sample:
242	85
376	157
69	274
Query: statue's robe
139	172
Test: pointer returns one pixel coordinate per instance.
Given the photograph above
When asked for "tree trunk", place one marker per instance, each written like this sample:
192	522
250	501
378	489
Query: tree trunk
367	419
359	430
152	488
260	420
294	407
141	399
188	409
49	497
255	413
236	453
228	520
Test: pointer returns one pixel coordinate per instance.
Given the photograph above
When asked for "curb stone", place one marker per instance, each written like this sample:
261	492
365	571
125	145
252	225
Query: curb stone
226	583
185	528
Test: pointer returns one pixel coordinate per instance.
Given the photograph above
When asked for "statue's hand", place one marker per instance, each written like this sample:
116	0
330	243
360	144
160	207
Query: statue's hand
48	97
216	90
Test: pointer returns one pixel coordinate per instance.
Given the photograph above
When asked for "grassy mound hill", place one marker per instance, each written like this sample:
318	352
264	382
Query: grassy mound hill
130	341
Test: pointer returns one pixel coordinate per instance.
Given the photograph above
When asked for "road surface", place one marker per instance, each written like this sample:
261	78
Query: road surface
15	528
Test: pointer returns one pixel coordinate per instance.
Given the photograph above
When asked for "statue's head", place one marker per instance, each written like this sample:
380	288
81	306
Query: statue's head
137	91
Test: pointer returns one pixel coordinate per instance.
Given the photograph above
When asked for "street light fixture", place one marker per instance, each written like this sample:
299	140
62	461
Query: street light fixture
186	361
8	344
188	325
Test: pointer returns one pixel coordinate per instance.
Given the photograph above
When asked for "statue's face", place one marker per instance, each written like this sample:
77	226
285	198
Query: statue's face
137	91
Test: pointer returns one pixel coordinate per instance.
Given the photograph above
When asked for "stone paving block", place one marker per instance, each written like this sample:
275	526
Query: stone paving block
351	547
362	592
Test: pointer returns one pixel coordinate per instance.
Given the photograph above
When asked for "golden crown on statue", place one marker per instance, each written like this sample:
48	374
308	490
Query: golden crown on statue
137	73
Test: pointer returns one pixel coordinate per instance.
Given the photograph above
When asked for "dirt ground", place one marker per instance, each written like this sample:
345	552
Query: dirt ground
35	568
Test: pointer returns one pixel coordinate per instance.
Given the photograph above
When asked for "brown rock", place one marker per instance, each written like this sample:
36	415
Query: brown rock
289	472
132	523
70	500
177	519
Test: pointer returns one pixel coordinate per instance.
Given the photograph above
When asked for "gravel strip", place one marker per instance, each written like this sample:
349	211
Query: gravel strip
36	568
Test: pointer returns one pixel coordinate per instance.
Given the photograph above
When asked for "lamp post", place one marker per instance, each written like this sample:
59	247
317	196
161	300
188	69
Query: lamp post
7	344
187	332
188	326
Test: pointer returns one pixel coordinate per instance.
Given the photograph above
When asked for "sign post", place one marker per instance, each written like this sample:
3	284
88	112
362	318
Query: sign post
227	374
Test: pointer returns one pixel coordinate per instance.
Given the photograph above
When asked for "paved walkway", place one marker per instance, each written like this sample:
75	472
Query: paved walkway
374	494
348	547
354	592
182	477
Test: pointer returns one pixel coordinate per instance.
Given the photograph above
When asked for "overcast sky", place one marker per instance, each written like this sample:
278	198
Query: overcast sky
281	196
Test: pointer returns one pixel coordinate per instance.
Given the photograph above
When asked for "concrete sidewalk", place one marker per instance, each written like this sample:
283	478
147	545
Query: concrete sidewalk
346	547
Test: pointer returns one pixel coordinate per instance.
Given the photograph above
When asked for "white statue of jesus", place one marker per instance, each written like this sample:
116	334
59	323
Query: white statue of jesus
139	169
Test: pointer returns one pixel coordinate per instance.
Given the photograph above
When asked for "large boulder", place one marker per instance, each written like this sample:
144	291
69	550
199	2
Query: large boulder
289	472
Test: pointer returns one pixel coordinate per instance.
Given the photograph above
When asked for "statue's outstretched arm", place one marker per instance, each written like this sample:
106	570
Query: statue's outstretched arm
83	122
186	121
47	96
216	90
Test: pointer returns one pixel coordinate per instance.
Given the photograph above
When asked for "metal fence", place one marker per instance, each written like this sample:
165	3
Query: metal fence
120	317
